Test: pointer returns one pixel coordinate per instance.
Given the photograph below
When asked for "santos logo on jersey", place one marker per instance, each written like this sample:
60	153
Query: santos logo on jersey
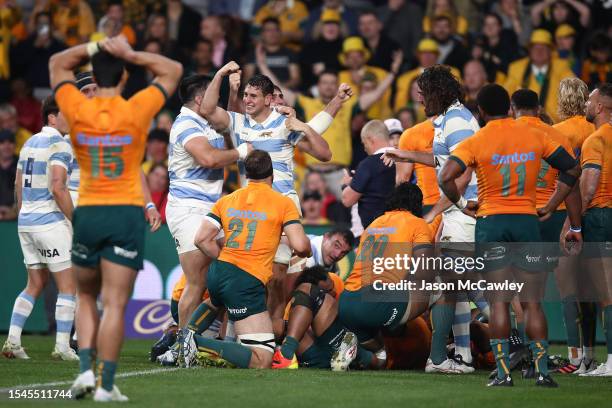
48	253
512	158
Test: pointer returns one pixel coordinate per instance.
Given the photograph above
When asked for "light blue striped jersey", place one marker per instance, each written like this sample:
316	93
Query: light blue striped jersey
450	129
39	211
273	137
74	171
192	185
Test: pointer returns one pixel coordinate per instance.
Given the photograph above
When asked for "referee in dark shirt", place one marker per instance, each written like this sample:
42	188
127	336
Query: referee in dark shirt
372	182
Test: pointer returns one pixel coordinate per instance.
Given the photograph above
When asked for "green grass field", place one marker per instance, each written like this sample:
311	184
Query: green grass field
301	388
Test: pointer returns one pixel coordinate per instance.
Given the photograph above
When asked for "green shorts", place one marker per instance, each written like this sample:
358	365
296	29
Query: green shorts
114	232
316	356
550	232
366	318
499	241
241	293
597	232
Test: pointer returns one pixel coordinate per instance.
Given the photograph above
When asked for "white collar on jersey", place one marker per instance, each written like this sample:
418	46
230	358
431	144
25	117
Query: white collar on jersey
50	131
455	105
274	114
186	111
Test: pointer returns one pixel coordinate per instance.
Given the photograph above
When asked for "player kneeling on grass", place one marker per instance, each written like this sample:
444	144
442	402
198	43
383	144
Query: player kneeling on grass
370	302
315	337
253	219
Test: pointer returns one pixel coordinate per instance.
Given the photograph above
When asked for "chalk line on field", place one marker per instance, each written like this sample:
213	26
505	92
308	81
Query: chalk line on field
120	375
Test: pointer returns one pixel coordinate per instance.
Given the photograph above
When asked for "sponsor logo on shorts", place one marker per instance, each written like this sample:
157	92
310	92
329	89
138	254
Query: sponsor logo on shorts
495	253
125	253
237	311
80	251
533	258
48	253
392	318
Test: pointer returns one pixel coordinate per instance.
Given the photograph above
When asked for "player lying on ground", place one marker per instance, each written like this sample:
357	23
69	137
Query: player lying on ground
314	335
253	219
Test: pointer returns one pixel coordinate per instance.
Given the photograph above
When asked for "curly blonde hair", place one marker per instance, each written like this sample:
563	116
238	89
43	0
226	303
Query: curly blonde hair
572	96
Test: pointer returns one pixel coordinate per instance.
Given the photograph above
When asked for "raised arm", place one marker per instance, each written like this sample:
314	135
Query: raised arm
234	104
368	99
62	64
218	117
312	142
583	10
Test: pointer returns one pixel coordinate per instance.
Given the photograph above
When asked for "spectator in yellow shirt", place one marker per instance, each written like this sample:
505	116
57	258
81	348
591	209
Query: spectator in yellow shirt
291	14
540	72
8	121
73	20
438	7
354	57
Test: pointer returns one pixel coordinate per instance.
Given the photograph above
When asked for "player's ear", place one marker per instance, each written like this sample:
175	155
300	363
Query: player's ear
268	99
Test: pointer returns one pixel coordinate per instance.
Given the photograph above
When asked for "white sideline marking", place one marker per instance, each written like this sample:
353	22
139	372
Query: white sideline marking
120	375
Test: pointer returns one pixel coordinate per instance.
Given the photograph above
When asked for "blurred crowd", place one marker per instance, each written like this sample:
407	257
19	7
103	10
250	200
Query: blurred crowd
379	47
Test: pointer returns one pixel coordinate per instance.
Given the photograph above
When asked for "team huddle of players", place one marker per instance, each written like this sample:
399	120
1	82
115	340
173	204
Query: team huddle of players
257	292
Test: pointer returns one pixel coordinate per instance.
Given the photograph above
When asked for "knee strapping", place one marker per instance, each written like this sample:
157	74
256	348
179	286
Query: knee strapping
313	300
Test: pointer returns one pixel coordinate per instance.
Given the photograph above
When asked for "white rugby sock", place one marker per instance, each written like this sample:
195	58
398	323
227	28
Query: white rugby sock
461	330
64	316
21	311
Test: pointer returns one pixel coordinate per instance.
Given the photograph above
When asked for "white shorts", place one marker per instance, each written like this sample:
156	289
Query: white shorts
457	227
184	223
47	249
283	253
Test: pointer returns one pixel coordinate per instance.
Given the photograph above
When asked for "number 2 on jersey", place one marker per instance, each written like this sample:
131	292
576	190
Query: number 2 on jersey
506	174
236	225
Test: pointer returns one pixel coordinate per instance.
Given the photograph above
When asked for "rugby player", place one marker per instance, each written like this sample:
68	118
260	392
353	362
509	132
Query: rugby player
525	108
88	87
596	190
442	95
108	135
196	161
45	231
252	219
314	333
269	130
366	310
580	318
506	155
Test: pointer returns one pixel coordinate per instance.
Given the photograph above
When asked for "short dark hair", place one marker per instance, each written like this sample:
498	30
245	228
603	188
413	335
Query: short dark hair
277	88
441	17
272	20
41	14
440	89
263	83
328	71
107	69
600	41
369	12
258	165
312	275
192	85
406	196
493	100
605	89
347	235
495	16
525	99
49	107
